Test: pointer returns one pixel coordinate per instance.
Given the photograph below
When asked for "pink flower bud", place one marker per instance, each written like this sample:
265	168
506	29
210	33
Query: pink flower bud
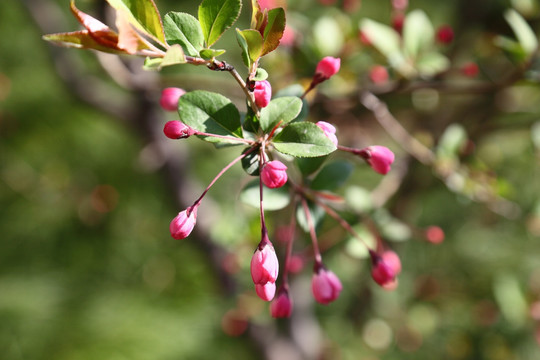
397	22
378	74
392	260
434	234
445	34
325	286
295	264
264	264
470	69
400	4
380	158
169	98
262	93
267	291
327	67
282	305
177	130
182	225
274	174
385	268
329	130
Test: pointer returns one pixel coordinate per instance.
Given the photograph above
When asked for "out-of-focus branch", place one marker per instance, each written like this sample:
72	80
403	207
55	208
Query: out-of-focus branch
395	129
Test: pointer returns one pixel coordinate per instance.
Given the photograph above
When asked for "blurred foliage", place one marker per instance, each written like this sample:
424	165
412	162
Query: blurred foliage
88	269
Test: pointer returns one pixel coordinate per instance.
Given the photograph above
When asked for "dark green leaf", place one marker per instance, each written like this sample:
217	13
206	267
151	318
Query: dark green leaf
332	176
251	122
303	139
210	53
210	113
308	166
250	163
216	16
273	32
185	30
251	43
143	15
274	199
284	109
316	214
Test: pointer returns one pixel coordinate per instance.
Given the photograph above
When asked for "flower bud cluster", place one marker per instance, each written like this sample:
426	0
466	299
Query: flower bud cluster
264	269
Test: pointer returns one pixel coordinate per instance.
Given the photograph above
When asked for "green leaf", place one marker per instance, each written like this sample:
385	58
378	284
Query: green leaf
388	42
332	176
525	35
173	56
295	90
250	163
511	47
418	33
210	113
431	64
303	139
316	213
260	74
144	15
80	40
251	43
273	32
308	166
152	63
216	16
185	30
210	53
274	199
251	122
284	109
451	141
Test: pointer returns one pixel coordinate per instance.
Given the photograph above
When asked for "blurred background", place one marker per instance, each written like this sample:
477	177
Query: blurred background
88	186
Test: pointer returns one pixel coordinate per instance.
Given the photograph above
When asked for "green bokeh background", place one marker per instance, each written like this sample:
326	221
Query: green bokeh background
89	271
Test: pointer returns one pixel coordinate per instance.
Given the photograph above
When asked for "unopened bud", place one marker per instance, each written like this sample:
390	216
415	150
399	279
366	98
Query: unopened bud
378	74
282	305
175	129
262	93
434	234
329	130
380	158
445	34
327	67
169	98
264	264
267	291
325	286
385	269
182	225
274	174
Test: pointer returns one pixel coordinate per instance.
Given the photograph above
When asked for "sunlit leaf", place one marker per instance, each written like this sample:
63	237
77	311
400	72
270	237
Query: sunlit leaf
175	55
80	40
185	30
525	35
251	43
303	139
216	16
143	15
273	31
210	53
284	109
418	33
432	63
210	113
